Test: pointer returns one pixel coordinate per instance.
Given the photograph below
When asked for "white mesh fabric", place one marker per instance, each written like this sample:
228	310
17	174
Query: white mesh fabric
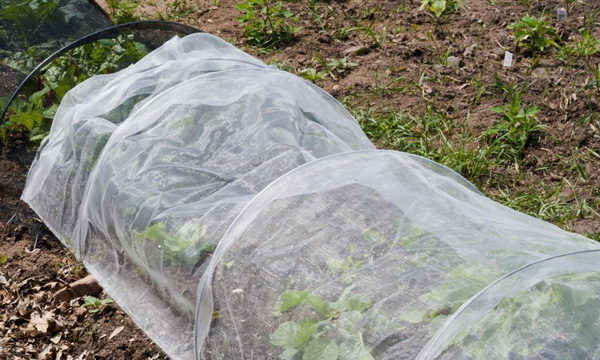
145	168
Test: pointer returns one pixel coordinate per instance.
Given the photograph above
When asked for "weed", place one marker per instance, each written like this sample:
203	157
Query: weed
178	9
338	66
122	11
535	33
95	305
312	74
427	135
545	203
267	23
3	259
508	138
437	8
584	49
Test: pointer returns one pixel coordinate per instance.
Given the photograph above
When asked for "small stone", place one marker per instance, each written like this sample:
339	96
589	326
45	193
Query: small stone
455	61
237	291
470	51
81	287
357	50
336	87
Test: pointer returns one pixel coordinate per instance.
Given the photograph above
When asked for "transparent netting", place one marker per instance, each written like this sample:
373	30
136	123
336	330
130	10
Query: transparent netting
236	211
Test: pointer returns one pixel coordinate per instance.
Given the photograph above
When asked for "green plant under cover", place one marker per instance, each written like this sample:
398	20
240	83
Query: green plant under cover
330	334
34	113
180	246
267	23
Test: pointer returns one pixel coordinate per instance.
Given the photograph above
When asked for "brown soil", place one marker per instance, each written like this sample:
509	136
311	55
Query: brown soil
384	78
31	324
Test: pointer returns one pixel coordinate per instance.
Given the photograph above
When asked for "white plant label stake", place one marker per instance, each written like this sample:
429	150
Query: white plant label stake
508	58
561	13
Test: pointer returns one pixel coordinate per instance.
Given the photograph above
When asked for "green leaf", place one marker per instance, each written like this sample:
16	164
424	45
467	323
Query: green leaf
291	299
3	259
354	349
413	316
285	334
288	354
321	349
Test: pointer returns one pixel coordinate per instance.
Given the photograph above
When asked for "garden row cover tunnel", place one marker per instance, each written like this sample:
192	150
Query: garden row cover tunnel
236	211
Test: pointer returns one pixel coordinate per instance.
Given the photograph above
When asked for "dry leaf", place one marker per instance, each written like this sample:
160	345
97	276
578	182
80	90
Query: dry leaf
116	332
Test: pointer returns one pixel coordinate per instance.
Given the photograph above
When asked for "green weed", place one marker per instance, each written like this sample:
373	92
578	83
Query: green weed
545	203
437	8
312	74
123	11
267	23
336	67
178	9
428	135
535	33
508	138
95	305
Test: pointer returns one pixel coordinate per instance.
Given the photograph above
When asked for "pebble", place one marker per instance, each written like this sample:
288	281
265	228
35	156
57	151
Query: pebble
358	50
470	51
454	61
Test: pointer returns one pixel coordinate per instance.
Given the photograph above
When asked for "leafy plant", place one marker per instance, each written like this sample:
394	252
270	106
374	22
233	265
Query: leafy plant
509	136
568	301
178	247
3	259
331	334
94	305
339	66
122	11
437	8
267	23
178	9
534	33
313	74
34	114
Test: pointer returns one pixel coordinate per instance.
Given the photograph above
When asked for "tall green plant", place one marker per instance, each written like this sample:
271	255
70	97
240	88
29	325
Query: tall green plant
534	33
267	23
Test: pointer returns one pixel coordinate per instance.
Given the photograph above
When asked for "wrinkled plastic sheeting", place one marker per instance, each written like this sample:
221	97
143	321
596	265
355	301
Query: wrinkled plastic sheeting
145	168
205	189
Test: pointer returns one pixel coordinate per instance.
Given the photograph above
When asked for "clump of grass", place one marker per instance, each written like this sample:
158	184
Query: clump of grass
267	23
534	33
427	135
545	203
